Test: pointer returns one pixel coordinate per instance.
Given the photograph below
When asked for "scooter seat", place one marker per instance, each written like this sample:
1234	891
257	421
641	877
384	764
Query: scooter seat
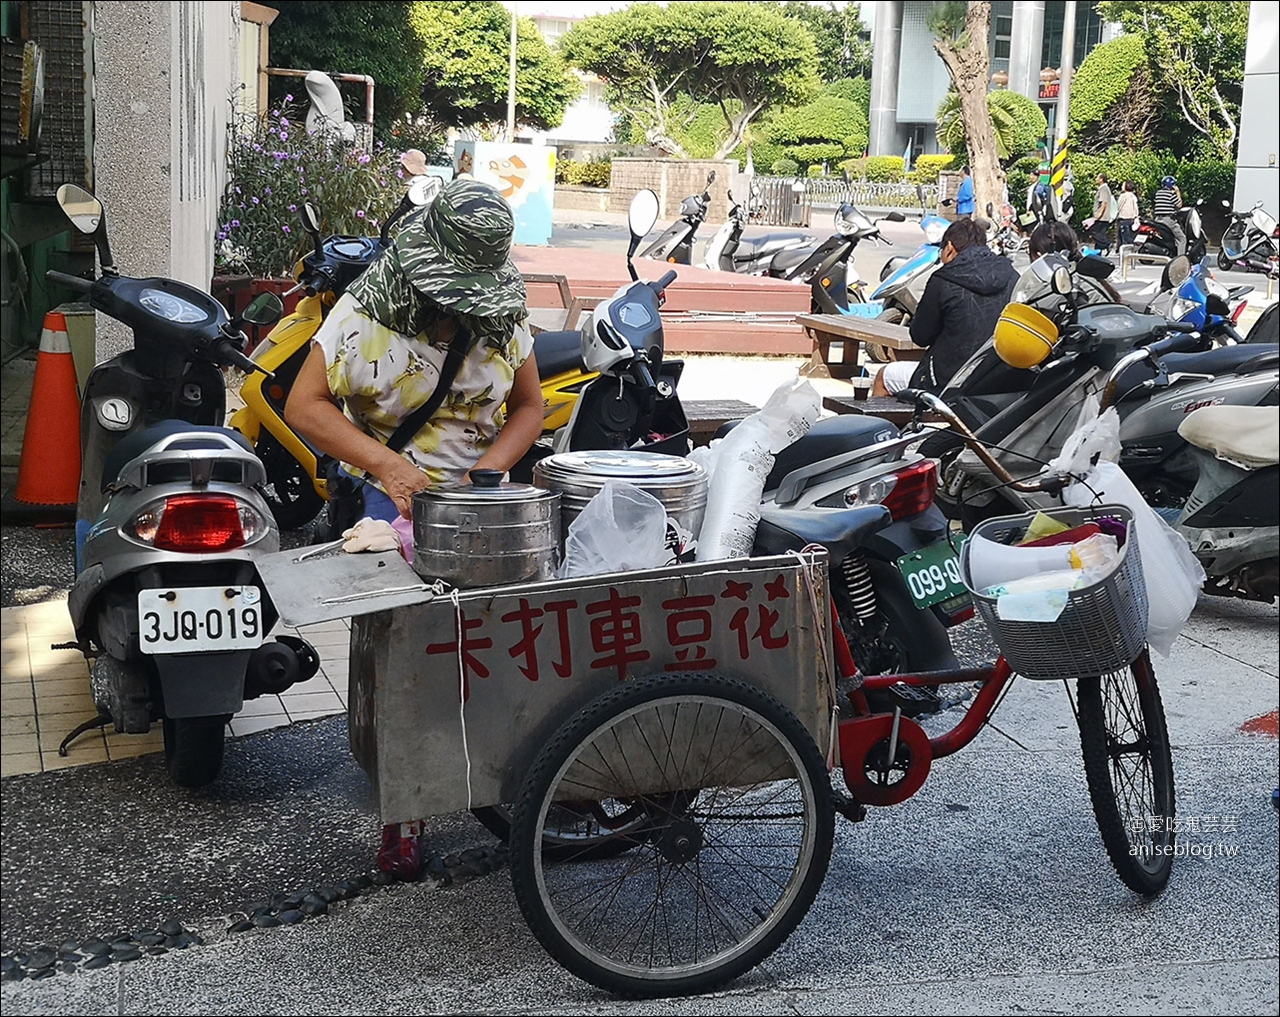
829	437
751	247
789	259
557	352
1247	435
133	445
1217	362
840	531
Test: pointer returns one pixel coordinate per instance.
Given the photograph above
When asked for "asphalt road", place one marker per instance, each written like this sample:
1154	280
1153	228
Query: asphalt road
988	892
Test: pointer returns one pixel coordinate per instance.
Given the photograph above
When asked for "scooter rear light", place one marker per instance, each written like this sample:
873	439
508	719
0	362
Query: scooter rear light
906	492
914	490
198	523
1235	315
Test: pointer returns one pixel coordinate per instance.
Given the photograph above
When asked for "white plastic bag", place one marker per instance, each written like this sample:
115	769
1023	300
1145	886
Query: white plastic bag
1173	576
741	461
621	529
1096	438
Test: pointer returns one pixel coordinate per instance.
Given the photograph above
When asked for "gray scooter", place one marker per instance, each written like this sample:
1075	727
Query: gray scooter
170	520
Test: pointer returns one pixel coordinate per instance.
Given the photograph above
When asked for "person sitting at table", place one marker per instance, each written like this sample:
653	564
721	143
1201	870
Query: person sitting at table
957	312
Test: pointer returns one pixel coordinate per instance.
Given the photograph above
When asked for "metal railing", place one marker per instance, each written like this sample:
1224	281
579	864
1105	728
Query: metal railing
783	201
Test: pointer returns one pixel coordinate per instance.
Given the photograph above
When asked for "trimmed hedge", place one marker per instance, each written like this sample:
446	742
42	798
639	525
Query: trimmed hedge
1103	78
583	174
885	168
1209	179
929	166
784	168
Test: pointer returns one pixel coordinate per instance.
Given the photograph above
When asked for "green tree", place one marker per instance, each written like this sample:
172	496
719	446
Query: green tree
960	33
1113	98
819	129
466	47
1196	52
1016	121
838	33
351	38
740	57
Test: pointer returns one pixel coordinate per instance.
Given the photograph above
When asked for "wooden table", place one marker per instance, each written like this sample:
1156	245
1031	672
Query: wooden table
706	416
848	333
885	407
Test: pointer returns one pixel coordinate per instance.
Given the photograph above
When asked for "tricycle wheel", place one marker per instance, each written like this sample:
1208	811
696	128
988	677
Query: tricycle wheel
1129	767
578	830
737	840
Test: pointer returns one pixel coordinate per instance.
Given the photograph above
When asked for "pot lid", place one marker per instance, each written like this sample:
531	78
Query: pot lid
620	464
485	486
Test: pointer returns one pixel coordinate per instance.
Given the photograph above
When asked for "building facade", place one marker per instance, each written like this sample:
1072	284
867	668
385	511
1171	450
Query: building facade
909	79
1257	175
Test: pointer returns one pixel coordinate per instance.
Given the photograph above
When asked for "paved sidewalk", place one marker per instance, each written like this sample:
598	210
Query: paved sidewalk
45	693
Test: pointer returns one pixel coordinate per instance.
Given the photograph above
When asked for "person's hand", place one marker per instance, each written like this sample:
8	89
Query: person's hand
401	480
1088	223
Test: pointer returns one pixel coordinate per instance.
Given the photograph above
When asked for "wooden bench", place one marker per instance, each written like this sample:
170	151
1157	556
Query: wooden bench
848	334
707	416
886	407
555	319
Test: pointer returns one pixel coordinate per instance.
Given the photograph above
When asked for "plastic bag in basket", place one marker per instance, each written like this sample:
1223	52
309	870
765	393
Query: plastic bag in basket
1173	576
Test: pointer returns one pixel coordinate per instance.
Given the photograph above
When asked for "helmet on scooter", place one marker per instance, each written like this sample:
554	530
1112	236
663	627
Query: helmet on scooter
1024	336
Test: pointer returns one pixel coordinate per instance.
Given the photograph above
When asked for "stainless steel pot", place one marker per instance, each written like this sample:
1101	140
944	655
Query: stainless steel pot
679	483
486	533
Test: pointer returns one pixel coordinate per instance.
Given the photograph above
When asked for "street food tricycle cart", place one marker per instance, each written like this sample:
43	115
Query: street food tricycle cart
661	743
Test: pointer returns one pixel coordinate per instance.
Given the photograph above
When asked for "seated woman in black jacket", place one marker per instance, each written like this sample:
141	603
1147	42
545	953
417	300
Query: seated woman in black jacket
957	312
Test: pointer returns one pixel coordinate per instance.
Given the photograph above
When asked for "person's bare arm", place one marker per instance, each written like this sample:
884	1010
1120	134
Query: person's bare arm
524	420
314	413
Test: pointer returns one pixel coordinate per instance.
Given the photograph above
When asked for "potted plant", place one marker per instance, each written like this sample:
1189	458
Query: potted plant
273	166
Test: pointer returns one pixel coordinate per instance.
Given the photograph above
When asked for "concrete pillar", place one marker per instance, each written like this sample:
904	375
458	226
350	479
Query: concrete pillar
162	73
1025	45
886	45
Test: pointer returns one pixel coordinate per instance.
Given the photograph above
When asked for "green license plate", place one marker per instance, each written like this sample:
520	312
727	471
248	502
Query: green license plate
933	574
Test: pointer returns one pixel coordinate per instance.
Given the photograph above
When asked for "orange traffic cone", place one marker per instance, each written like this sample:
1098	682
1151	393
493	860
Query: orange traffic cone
49	471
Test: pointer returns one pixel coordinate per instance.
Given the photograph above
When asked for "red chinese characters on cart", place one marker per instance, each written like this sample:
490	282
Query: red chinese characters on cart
537	636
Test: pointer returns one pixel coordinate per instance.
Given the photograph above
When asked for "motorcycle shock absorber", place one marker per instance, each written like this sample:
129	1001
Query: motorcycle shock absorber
858	587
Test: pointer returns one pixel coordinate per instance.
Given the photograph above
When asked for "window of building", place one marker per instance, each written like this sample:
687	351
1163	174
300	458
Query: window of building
1003	35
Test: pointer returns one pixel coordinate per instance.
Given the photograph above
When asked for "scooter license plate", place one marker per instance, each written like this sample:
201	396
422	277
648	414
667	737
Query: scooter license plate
186	619
933	573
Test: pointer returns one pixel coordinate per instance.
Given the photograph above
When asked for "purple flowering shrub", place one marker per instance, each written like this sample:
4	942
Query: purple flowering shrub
273	167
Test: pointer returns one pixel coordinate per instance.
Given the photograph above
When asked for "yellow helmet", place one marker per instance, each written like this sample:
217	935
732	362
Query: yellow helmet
1024	336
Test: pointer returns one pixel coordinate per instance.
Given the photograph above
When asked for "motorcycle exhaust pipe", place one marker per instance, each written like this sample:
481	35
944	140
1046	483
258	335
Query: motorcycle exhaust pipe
278	665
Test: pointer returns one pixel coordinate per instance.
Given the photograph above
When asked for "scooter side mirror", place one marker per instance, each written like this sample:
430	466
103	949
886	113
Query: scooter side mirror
264	309
1176	272
424	189
88	216
642	215
895	217
711	178
310	216
1061	281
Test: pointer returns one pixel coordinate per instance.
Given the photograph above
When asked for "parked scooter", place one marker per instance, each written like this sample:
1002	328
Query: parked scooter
899	277
1250	242
1023	396
632	404
675	245
170	520
824	267
729	252
1191	294
1155	237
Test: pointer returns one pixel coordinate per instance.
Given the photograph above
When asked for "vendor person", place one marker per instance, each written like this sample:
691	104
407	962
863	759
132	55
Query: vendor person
447	278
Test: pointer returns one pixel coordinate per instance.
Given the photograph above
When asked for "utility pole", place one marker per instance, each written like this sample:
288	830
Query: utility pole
511	82
1067	70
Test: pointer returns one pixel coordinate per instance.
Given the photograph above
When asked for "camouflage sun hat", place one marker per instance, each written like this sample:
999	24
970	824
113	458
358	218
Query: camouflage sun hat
459	252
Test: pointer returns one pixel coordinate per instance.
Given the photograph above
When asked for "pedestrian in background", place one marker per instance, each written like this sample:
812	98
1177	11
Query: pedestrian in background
965	203
1104	213
1168	201
1127	212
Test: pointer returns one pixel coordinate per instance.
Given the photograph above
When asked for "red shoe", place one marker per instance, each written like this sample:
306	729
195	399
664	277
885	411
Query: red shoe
400	853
